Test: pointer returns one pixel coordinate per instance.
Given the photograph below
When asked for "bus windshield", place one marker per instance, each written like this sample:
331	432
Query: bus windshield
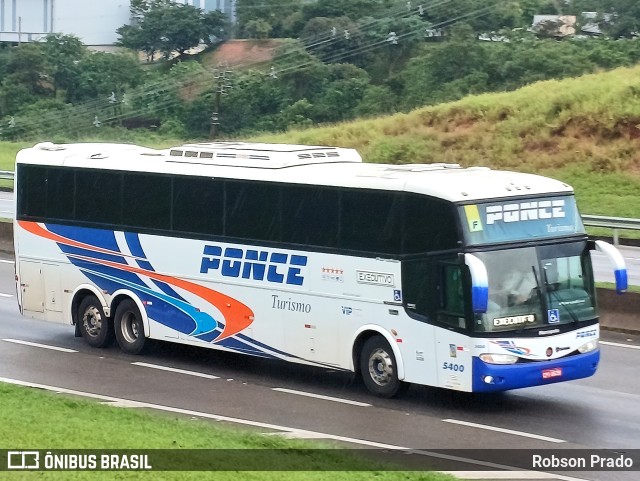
533	287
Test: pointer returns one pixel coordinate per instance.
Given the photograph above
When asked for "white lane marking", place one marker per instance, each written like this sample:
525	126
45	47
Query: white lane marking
5	295
297	435
43	346
189	412
173	369
320	396
5	261
617	344
301	432
503	430
121	404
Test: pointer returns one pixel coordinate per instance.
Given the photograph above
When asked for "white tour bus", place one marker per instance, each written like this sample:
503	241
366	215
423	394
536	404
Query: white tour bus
463	278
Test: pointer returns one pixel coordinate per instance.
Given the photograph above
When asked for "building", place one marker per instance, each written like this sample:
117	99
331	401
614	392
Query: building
554	25
94	22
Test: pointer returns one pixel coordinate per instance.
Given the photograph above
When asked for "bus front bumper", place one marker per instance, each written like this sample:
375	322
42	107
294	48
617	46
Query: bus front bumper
501	377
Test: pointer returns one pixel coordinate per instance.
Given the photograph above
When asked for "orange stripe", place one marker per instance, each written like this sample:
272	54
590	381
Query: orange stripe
37	229
237	315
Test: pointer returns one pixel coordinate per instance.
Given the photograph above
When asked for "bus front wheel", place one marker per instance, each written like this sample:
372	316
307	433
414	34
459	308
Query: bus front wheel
95	327
129	328
379	370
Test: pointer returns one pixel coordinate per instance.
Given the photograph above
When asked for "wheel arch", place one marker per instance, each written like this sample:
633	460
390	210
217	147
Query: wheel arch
366	332
124	294
78	295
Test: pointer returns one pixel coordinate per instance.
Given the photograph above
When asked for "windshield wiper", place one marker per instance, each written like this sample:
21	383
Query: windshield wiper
535	276
552	292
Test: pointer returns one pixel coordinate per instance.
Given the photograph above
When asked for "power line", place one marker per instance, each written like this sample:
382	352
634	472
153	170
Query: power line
150	101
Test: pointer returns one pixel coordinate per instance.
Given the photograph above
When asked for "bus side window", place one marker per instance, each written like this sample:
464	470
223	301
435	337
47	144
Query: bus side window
451	309
419	288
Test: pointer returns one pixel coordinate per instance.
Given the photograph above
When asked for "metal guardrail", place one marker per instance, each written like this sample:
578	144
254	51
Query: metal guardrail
615	223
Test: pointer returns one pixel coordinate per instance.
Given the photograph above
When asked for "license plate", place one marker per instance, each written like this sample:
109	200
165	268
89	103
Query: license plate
549	373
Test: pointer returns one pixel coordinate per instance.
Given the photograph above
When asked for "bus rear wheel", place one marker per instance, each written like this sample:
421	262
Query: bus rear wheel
95	327
129	328
379	370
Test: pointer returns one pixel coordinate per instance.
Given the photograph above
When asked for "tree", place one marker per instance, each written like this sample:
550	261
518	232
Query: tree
168	27
104	73
331	38
25	79
624	20
354	9
252	13
182	26
216	27
377	100
63	54
456	61
135	38
258	29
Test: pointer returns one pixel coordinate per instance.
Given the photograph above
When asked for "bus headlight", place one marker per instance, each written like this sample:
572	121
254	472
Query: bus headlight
498	358
589	346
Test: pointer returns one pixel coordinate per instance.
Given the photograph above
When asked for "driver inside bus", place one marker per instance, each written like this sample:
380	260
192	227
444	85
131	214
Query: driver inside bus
518	286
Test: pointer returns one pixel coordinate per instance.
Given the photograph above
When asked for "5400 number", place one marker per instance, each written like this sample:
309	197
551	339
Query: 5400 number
453	367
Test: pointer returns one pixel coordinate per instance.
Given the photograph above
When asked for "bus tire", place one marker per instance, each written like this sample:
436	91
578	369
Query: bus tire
94	326
379	369
129	328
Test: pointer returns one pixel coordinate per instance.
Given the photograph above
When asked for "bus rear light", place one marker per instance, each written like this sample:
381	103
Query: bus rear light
491	358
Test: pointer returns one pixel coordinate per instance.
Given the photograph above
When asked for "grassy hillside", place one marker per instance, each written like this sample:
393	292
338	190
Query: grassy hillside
584	131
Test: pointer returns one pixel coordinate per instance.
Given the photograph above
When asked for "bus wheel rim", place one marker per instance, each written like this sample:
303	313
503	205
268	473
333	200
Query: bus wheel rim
381	367
92	321
130	328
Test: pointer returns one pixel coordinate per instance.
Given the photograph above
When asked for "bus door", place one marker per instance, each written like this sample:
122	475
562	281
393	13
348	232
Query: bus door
312	327
40	290
452	344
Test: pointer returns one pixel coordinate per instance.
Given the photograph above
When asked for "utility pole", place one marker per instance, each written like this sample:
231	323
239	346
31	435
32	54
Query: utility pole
222	83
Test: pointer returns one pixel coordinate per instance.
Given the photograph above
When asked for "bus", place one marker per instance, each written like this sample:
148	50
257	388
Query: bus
468	279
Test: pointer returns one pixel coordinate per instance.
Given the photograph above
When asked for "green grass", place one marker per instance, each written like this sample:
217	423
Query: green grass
31	419
8	151
583	131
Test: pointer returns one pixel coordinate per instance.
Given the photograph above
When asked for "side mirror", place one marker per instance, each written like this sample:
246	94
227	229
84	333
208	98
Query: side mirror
619	266
479	283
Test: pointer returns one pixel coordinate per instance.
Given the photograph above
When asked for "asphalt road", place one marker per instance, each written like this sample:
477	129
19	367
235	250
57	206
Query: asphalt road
7	210
275	397
603	271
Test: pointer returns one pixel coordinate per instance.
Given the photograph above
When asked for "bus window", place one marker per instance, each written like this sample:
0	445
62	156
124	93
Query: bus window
151	196
60	192
98	197
451	309
252	210
197	205
32	191
419	287
310	215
